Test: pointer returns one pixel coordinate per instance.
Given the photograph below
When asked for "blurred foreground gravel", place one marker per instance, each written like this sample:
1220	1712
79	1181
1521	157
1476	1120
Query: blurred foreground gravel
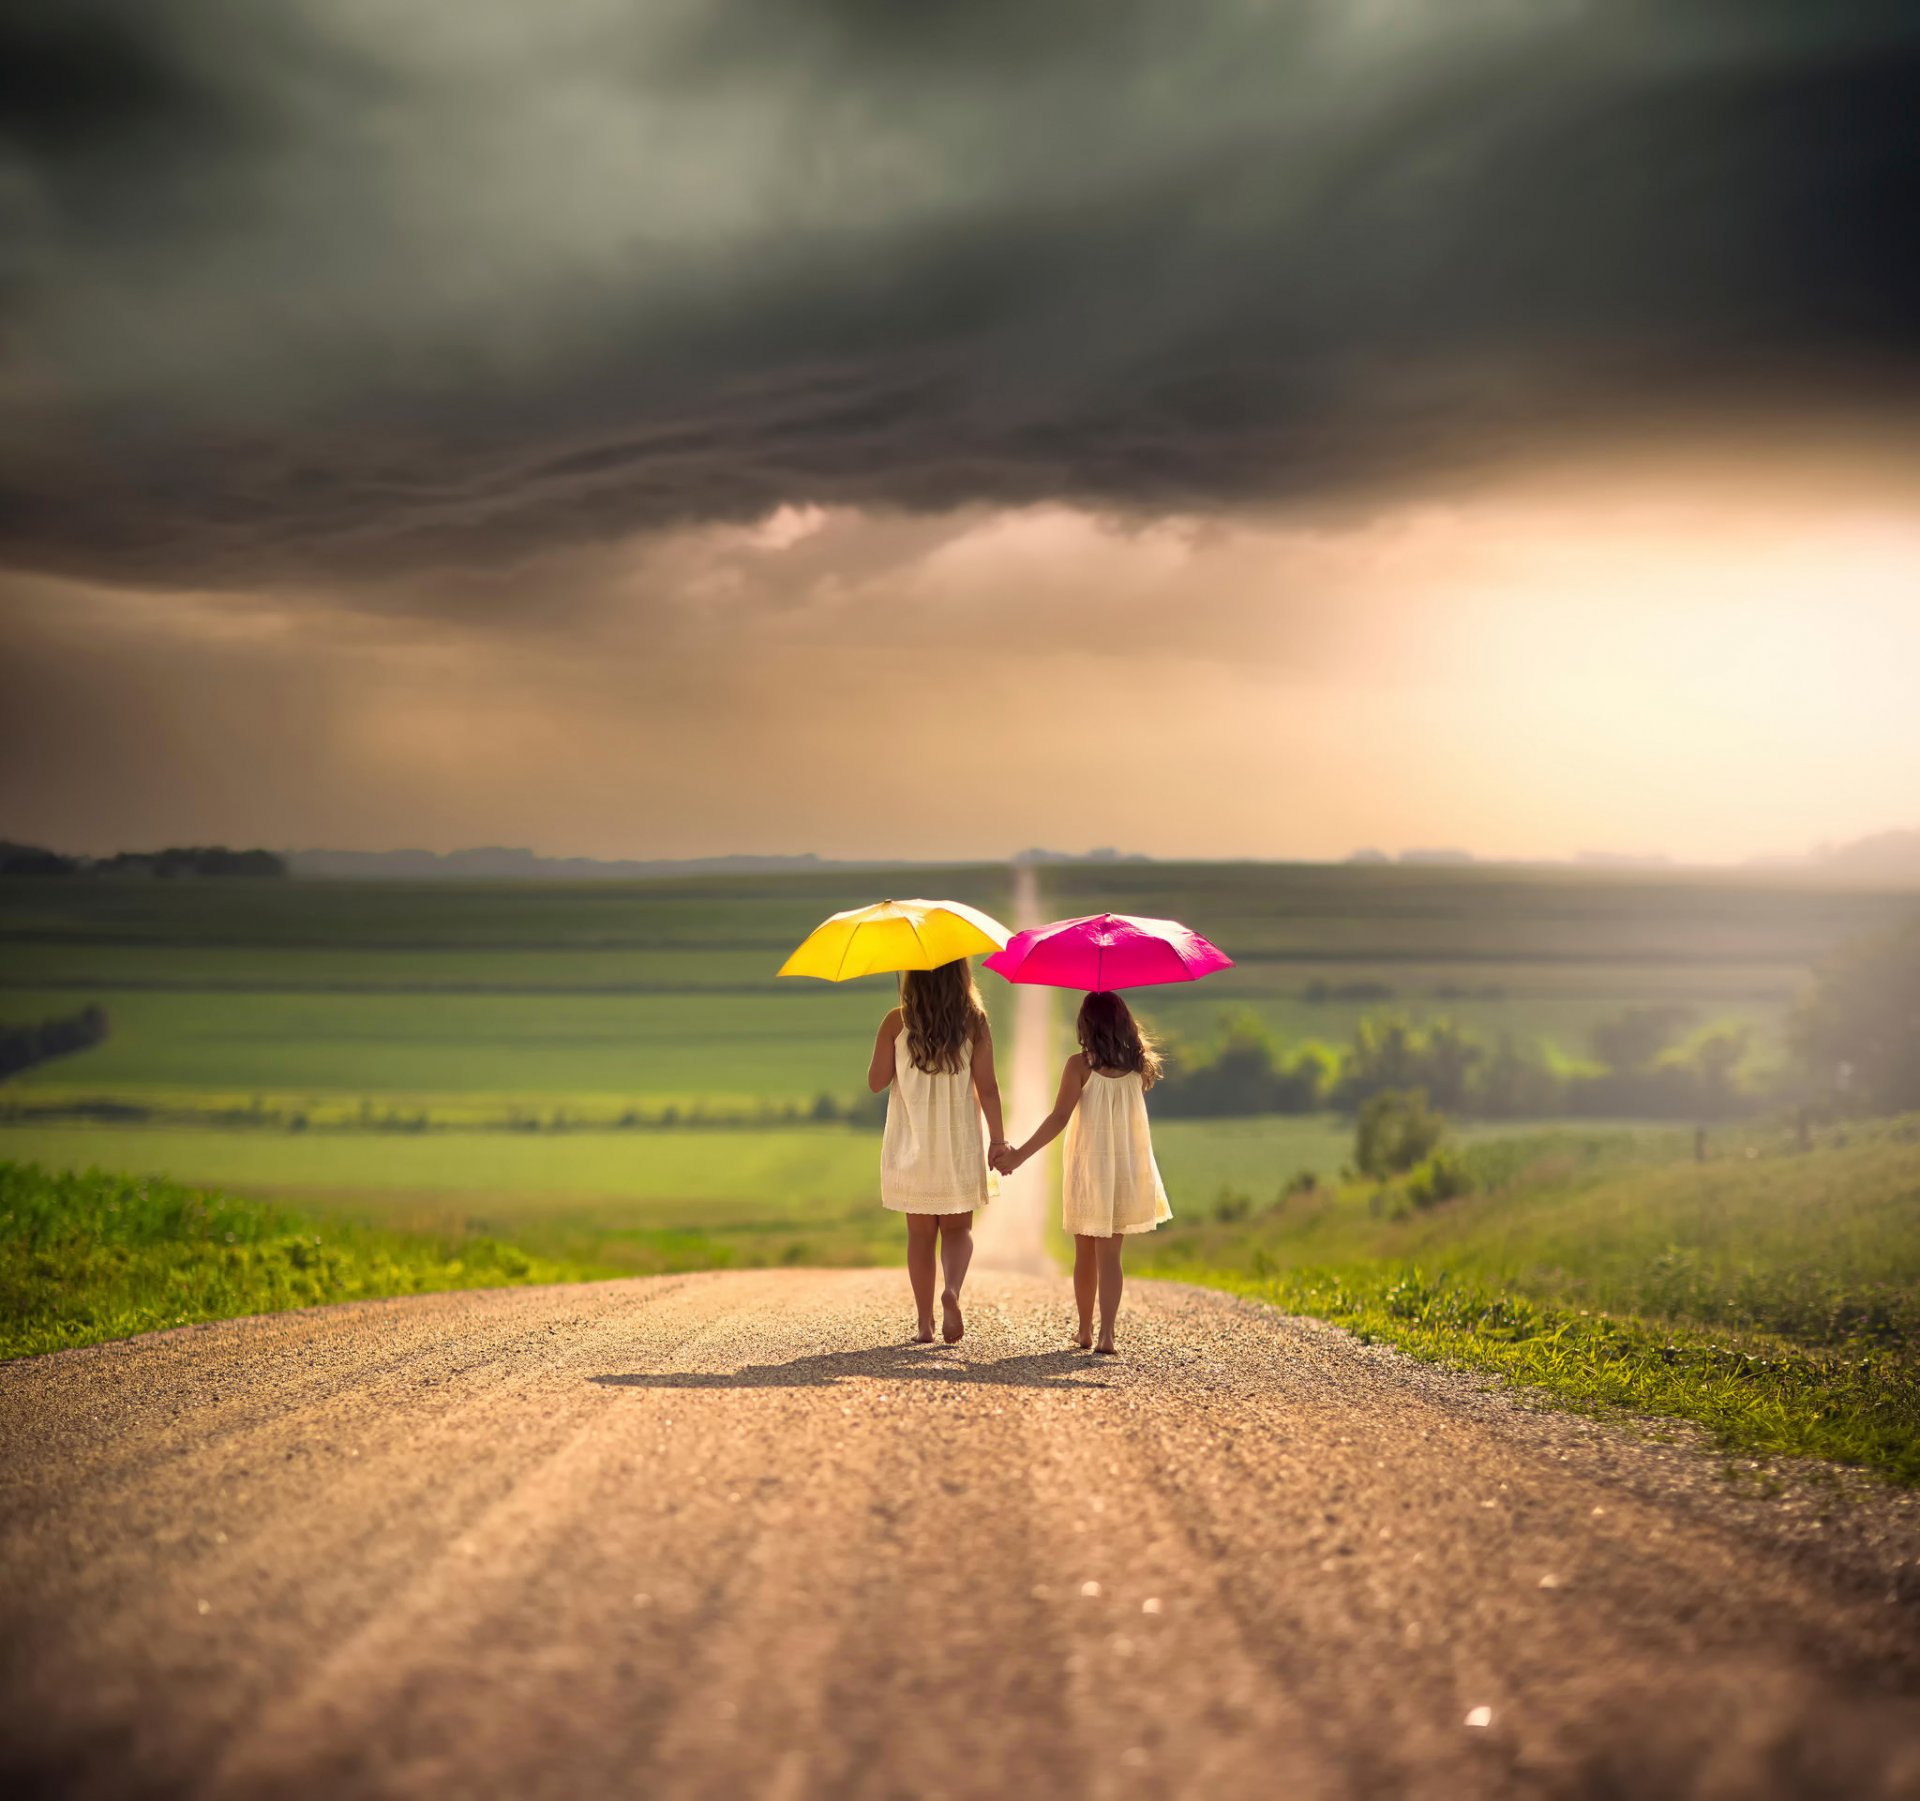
728	1535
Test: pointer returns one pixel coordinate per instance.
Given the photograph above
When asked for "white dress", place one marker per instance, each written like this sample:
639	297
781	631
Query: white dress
1109	1181
933	1158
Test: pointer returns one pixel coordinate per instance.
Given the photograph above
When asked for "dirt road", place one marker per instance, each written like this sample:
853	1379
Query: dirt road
727	1535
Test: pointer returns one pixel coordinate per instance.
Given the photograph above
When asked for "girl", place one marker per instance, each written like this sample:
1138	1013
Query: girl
1109	1184
936	1050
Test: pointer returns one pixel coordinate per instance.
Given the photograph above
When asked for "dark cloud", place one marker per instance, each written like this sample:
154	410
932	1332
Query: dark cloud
302	289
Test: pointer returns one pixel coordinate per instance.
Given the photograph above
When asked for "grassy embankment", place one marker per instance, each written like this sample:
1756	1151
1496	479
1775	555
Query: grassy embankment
90	1257
1770	1294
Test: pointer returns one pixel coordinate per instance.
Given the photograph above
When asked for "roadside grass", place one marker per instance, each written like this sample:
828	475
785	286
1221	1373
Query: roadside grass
1754	1394
1769	1294
90	1257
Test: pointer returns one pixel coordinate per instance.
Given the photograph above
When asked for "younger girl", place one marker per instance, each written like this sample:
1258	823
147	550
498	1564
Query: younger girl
1109	1182
937	1052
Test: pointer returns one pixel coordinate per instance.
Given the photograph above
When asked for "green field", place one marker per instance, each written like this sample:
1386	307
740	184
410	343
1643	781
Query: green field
303	1038
619	1200
539	1047
1542	954
497	993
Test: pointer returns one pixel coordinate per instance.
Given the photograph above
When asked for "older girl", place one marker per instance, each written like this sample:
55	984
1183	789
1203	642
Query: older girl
936	1051
1110	1185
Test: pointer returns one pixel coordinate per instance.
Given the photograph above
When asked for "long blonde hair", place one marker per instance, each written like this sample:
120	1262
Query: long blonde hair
1112	1037
942	1010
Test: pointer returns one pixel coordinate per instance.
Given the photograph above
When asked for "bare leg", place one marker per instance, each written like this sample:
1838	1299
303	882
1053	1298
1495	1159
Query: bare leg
956	1252
1109	1255
922	1232
1085	1276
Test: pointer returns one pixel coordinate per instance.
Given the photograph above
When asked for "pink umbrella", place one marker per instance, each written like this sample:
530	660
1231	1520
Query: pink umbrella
1107	950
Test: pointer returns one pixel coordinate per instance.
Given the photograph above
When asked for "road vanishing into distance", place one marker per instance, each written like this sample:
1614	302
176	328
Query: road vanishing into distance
731	1535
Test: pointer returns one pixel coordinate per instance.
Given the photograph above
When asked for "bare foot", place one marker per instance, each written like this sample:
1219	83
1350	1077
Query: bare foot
925	1334
1106	1348
1084	1338
952	1327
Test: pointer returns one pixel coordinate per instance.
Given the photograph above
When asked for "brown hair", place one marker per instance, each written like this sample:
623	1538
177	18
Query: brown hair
941	1009
1112	1038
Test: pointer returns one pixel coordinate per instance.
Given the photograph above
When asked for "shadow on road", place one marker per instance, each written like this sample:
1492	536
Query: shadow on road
886	1363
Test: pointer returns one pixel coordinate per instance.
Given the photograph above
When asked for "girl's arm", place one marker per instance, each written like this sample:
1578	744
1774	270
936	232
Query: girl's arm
1073	1082
880	1069
986	1088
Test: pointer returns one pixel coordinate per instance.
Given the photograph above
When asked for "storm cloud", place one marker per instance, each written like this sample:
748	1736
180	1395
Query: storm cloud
348	291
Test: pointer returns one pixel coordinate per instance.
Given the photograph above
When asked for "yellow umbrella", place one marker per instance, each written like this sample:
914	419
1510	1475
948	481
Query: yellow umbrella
894	935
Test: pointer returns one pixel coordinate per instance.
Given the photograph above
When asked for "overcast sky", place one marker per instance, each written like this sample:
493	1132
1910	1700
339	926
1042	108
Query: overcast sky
1212	426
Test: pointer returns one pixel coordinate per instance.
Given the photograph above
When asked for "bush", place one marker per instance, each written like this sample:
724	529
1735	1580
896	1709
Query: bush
1229	1206
1395	1132
1444	1176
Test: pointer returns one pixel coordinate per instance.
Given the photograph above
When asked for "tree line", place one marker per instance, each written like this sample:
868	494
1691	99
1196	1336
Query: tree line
22	1046
173	864
1856	1040
1643	1074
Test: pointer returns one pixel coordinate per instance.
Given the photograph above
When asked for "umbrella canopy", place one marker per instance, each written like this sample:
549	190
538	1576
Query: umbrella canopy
894	935
1108	950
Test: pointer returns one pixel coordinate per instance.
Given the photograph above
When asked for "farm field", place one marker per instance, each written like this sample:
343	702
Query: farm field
679	1046
1541	954
663	991
366	1046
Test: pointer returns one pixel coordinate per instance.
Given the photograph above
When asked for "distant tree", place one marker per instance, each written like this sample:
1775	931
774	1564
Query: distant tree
1396	1130
1383	1055
30	859
1515	1082
1301	1085
1859	1031
200	860
1388	1052
1628	1042
1716	1058
1247	1074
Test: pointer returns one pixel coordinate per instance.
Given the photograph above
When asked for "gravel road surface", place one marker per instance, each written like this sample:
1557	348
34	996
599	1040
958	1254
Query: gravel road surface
728	1534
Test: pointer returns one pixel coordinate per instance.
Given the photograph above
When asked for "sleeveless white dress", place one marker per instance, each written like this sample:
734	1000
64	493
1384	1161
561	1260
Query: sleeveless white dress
933	1158
1109	1181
